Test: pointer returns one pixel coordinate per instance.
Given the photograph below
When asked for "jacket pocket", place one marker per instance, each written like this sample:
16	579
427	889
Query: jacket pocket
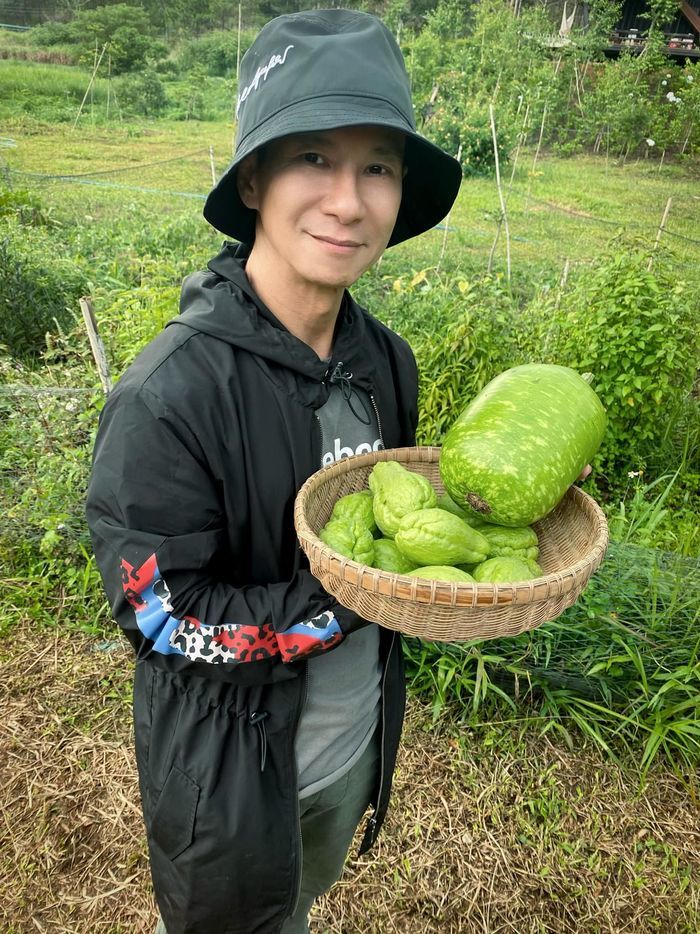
172	826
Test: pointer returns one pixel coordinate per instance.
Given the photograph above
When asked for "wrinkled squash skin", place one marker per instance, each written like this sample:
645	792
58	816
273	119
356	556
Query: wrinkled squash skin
355	506
442	572
436	537
516	543
503	571
397	492
387	557
350	539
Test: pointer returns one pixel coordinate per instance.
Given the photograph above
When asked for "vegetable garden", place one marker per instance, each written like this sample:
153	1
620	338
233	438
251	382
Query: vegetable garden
568	756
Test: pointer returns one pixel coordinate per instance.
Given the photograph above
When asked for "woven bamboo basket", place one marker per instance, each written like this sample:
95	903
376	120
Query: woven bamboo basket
573	539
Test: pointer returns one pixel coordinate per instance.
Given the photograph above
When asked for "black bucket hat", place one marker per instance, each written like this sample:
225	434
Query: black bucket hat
321	70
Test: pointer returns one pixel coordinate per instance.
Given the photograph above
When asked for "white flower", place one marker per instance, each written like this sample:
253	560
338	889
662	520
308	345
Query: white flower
689	79
650	142
633	473
664	83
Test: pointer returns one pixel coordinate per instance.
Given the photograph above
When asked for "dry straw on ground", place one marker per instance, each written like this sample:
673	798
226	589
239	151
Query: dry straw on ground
493	835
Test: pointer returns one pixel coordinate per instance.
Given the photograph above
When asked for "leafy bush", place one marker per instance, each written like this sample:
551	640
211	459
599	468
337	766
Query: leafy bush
143	93
38	292
215	53
461	333
638	332
466	129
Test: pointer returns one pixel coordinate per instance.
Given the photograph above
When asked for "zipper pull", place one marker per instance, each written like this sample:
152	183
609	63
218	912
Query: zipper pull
257	718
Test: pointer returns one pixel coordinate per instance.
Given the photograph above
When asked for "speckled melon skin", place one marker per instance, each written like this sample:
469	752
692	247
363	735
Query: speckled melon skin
515	450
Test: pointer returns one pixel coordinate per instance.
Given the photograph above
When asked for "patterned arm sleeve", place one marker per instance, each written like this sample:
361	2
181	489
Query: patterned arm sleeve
157	529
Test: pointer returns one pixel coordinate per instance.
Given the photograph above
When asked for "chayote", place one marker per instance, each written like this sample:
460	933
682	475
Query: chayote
350	539
435	536
356	506
503	571
387	557
512	542
442	572
398	491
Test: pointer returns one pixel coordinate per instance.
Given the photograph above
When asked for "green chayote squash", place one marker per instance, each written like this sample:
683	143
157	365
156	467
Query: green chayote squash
387	557
350	539
435	536
511	542
503	571
471	518
442	572
356	506
397	491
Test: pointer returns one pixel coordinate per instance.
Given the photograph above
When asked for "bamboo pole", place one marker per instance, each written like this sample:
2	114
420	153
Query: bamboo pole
96	345
211	163
521	139
659	232
87	91
447	221
539	141
504	214
238	43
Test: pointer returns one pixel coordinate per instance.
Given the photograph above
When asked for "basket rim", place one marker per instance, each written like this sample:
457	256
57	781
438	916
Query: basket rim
454	593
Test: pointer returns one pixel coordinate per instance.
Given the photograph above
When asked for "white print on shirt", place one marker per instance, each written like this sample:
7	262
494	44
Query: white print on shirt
262	73
339	452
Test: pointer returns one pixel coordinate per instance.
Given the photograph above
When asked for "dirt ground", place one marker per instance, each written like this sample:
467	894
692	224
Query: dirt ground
486	834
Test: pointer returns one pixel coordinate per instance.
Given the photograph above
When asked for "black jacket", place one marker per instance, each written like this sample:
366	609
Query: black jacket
201	449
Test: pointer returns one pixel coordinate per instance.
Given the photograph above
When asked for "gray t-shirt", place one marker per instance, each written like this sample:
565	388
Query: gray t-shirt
343	686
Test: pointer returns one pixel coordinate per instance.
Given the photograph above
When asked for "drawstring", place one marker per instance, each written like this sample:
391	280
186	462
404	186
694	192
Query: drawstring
257	718
343	379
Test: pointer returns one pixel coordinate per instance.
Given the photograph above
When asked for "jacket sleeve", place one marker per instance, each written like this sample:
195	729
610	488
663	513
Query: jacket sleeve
159	537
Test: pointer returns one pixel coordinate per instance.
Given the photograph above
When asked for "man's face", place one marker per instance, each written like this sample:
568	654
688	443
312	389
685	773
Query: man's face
327	203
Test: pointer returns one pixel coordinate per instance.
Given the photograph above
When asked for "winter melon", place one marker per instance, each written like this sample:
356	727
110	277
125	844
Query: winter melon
518	446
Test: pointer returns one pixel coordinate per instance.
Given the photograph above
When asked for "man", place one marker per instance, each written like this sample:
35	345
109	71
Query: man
267	716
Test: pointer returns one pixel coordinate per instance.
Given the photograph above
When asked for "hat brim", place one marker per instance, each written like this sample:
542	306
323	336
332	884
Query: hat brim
430	185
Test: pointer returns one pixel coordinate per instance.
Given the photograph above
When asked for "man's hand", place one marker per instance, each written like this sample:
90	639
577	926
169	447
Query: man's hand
584	473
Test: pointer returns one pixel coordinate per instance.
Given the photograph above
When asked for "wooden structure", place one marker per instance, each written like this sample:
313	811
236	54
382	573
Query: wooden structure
682	33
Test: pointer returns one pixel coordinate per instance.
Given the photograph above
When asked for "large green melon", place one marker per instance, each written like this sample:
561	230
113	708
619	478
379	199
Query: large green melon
518	446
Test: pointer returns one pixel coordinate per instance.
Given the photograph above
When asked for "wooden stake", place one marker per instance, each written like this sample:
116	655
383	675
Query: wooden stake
539	141
96	345
504	215
659	232
87	91
109	81
447	221
238	45
521	139
211	162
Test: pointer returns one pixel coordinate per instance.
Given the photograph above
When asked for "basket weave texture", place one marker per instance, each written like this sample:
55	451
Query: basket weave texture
572	538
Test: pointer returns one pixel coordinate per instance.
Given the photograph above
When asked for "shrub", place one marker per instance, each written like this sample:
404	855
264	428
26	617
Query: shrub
461	333
38	293
143	93
637	330
214	53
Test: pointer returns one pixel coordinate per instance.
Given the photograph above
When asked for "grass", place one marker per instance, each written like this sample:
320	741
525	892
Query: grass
488	831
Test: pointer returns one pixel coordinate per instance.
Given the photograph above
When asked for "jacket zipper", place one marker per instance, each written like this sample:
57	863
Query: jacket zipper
379	421
373	819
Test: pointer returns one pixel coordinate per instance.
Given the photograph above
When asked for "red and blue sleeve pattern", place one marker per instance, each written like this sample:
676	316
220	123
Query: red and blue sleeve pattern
149	596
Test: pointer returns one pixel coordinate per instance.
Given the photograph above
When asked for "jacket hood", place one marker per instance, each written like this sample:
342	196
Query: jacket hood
207	305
